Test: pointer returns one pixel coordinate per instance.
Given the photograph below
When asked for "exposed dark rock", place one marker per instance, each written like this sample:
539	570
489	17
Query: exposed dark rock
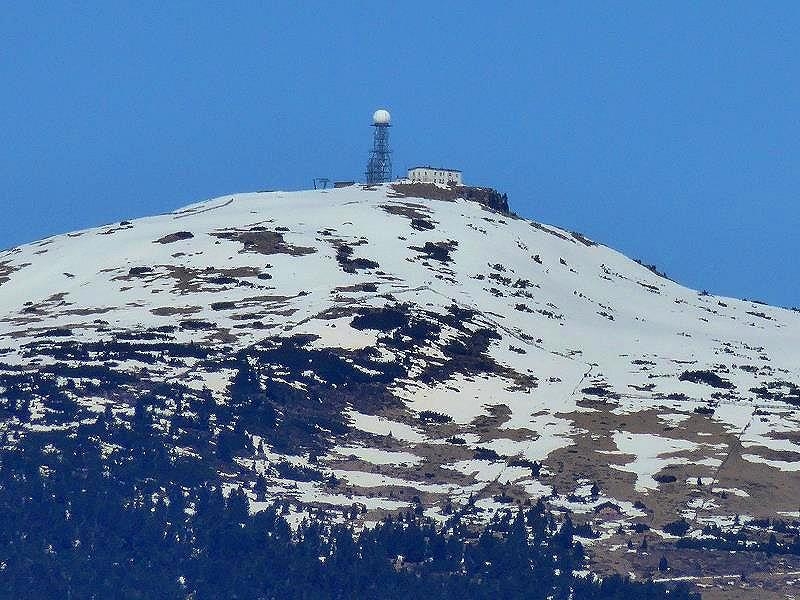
344	256
706	377
439	251
175	237
259	240
487	197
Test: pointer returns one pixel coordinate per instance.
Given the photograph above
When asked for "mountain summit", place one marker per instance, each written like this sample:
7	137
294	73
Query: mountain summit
370	350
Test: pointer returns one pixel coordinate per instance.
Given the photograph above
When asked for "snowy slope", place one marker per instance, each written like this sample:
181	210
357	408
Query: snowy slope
554	363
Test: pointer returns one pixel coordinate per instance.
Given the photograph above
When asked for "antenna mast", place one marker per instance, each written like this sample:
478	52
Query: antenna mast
379	167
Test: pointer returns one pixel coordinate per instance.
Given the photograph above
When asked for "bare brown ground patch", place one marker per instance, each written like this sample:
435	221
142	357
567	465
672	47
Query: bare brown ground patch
280	310
359	287
583	459
770	491
417	214
427	472
410	210
85	311
262	241
267	302
792	436
587	459
37	312
174	237
711	570
216	336
429	191
168	311
188	280
433	458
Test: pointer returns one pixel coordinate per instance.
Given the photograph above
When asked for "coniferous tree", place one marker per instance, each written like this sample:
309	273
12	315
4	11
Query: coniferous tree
663	565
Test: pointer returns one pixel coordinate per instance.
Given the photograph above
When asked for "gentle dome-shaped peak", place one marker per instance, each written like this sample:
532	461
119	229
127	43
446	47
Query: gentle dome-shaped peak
381	117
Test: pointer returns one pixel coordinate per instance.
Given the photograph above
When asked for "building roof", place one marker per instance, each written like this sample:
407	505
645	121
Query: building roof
435	168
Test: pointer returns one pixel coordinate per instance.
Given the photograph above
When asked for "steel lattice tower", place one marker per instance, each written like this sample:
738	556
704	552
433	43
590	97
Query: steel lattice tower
379	167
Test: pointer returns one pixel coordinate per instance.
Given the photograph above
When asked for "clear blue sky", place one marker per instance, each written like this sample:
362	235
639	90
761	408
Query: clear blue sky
670	131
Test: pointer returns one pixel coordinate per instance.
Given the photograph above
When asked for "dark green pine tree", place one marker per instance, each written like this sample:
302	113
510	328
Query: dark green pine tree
663	564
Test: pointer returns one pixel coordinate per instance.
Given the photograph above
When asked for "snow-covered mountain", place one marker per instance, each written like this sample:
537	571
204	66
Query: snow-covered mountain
397	346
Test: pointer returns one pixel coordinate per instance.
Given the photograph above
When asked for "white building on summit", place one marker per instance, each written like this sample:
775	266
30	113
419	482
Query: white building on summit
438	175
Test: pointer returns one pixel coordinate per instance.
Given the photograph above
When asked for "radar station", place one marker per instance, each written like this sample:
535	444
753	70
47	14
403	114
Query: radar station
379	167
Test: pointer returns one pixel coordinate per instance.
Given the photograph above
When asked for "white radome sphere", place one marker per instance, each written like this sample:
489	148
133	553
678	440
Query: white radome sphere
381	117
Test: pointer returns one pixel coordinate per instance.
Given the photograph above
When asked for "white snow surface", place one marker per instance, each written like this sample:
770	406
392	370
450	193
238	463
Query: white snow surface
578	317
